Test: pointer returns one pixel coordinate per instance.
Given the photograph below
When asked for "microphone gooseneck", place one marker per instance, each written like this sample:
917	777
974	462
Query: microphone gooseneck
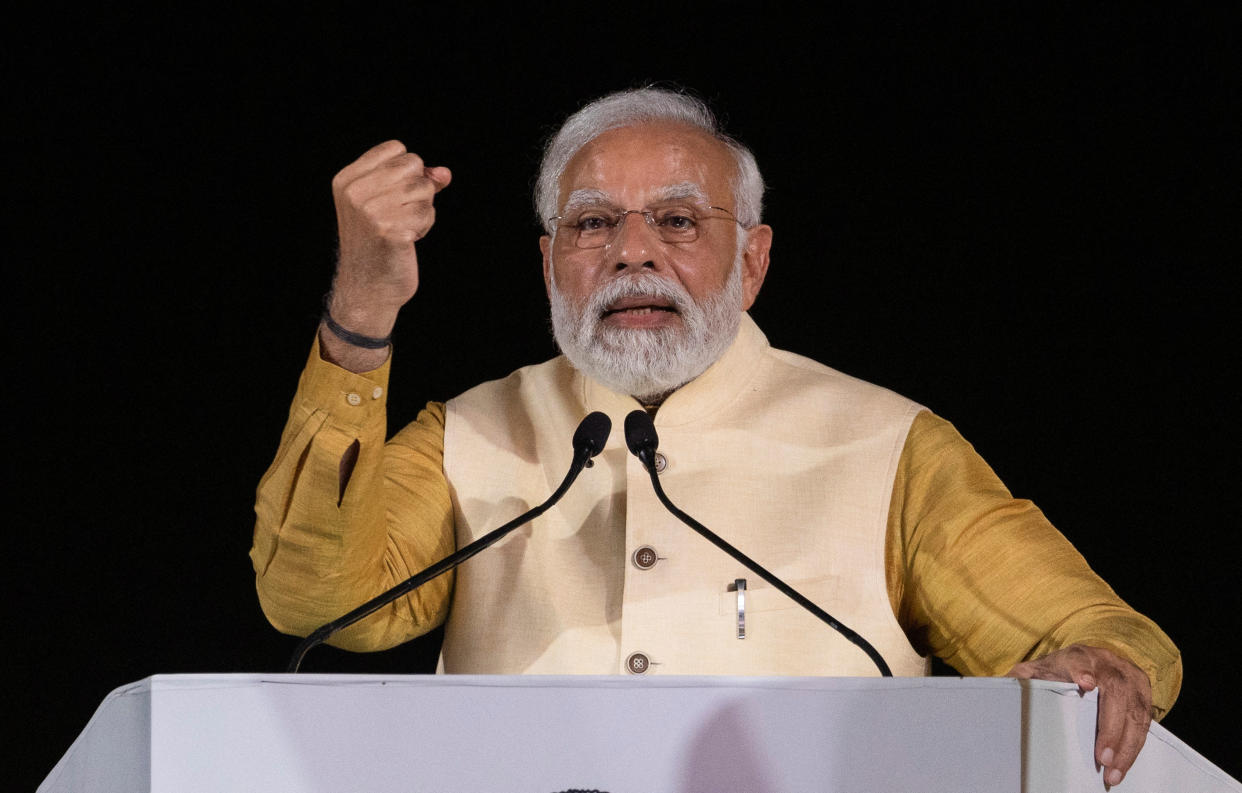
642	440
588	441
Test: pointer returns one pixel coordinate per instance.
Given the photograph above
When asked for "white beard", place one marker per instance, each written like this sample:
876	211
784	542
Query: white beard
647	363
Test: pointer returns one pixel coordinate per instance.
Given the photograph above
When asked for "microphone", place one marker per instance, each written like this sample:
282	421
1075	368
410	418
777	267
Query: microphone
642	440
588	441
591	435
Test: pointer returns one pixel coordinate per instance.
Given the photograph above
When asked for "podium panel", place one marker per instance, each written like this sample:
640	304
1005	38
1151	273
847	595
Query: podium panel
545	734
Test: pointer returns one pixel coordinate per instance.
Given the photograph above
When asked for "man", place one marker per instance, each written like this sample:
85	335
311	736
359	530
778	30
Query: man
862	500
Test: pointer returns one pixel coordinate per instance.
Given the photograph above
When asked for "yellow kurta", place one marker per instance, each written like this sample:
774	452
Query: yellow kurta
971	574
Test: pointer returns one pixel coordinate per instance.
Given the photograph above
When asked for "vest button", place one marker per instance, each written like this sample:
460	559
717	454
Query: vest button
638	663
644	558
661	462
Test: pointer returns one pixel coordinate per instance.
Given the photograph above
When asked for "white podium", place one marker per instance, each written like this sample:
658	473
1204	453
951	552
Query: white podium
380	734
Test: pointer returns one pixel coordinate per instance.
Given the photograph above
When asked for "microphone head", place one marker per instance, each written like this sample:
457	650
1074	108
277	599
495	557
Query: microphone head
592	433
640	434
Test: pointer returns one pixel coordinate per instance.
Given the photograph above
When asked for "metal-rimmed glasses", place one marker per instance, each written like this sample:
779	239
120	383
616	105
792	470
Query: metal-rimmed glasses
597	226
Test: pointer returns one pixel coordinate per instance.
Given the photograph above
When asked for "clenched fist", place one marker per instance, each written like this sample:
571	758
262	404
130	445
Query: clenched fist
384	204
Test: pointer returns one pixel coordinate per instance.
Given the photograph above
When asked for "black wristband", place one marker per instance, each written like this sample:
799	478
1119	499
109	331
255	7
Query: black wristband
349	337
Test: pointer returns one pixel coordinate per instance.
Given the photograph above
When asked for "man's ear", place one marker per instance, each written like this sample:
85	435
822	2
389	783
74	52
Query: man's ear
755	263
545	245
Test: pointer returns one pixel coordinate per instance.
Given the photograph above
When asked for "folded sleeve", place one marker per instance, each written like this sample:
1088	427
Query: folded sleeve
321	549
984	581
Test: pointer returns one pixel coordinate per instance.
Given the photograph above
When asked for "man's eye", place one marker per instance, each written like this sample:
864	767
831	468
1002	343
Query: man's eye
676	222
593	223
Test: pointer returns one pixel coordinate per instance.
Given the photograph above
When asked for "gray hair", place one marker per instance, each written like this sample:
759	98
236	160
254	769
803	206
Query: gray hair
639	106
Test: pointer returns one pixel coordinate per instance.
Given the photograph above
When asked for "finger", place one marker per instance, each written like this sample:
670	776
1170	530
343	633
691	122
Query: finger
401	221
440	175
403	169
1050	667
421	187
401	177
1027	670
1022	671
1122	721
410	172
1084	678
419	192
372	159
1074	664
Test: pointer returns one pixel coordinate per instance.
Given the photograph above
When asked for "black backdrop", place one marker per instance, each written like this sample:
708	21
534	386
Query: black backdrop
1026	223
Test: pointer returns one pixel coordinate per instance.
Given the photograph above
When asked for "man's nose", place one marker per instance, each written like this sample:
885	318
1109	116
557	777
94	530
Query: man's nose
635	244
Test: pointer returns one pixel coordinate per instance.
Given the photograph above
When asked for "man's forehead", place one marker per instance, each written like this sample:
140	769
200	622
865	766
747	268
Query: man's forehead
649	157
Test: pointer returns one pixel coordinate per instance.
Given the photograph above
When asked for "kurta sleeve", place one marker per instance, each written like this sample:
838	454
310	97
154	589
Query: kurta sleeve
984	581
319	551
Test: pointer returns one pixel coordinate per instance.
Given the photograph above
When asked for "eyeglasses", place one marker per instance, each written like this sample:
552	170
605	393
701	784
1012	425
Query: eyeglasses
596	226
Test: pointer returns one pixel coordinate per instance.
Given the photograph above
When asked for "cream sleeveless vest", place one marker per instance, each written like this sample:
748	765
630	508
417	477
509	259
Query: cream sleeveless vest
788	460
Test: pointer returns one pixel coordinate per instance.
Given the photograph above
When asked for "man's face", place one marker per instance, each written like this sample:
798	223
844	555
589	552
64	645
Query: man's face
653	299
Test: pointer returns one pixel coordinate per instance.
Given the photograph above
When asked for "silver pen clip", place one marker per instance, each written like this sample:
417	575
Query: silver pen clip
739	586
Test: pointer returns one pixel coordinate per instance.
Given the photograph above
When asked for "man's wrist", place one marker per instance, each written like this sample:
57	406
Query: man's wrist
352	338
360	312
355	359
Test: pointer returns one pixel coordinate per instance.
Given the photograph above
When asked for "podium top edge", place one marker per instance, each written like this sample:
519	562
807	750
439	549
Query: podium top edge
246	680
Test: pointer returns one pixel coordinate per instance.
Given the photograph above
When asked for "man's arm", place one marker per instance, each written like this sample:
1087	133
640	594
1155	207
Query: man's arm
322	547
985	582
342	515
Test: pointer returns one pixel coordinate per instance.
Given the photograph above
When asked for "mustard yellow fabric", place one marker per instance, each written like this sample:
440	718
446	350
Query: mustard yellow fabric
975	577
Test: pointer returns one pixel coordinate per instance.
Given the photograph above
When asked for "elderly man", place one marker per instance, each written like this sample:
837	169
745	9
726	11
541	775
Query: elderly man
864	501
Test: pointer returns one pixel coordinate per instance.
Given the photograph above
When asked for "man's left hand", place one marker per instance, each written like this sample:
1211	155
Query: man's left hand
1124	710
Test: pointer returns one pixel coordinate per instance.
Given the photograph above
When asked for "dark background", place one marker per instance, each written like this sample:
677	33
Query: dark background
1025	222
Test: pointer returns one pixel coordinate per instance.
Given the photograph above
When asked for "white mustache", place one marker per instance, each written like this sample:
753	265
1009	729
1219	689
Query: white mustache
638	285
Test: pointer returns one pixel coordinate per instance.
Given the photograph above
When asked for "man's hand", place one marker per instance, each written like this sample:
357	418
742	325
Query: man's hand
383	206
1124	710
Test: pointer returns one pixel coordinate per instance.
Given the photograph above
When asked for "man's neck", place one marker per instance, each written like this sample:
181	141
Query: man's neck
652	404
